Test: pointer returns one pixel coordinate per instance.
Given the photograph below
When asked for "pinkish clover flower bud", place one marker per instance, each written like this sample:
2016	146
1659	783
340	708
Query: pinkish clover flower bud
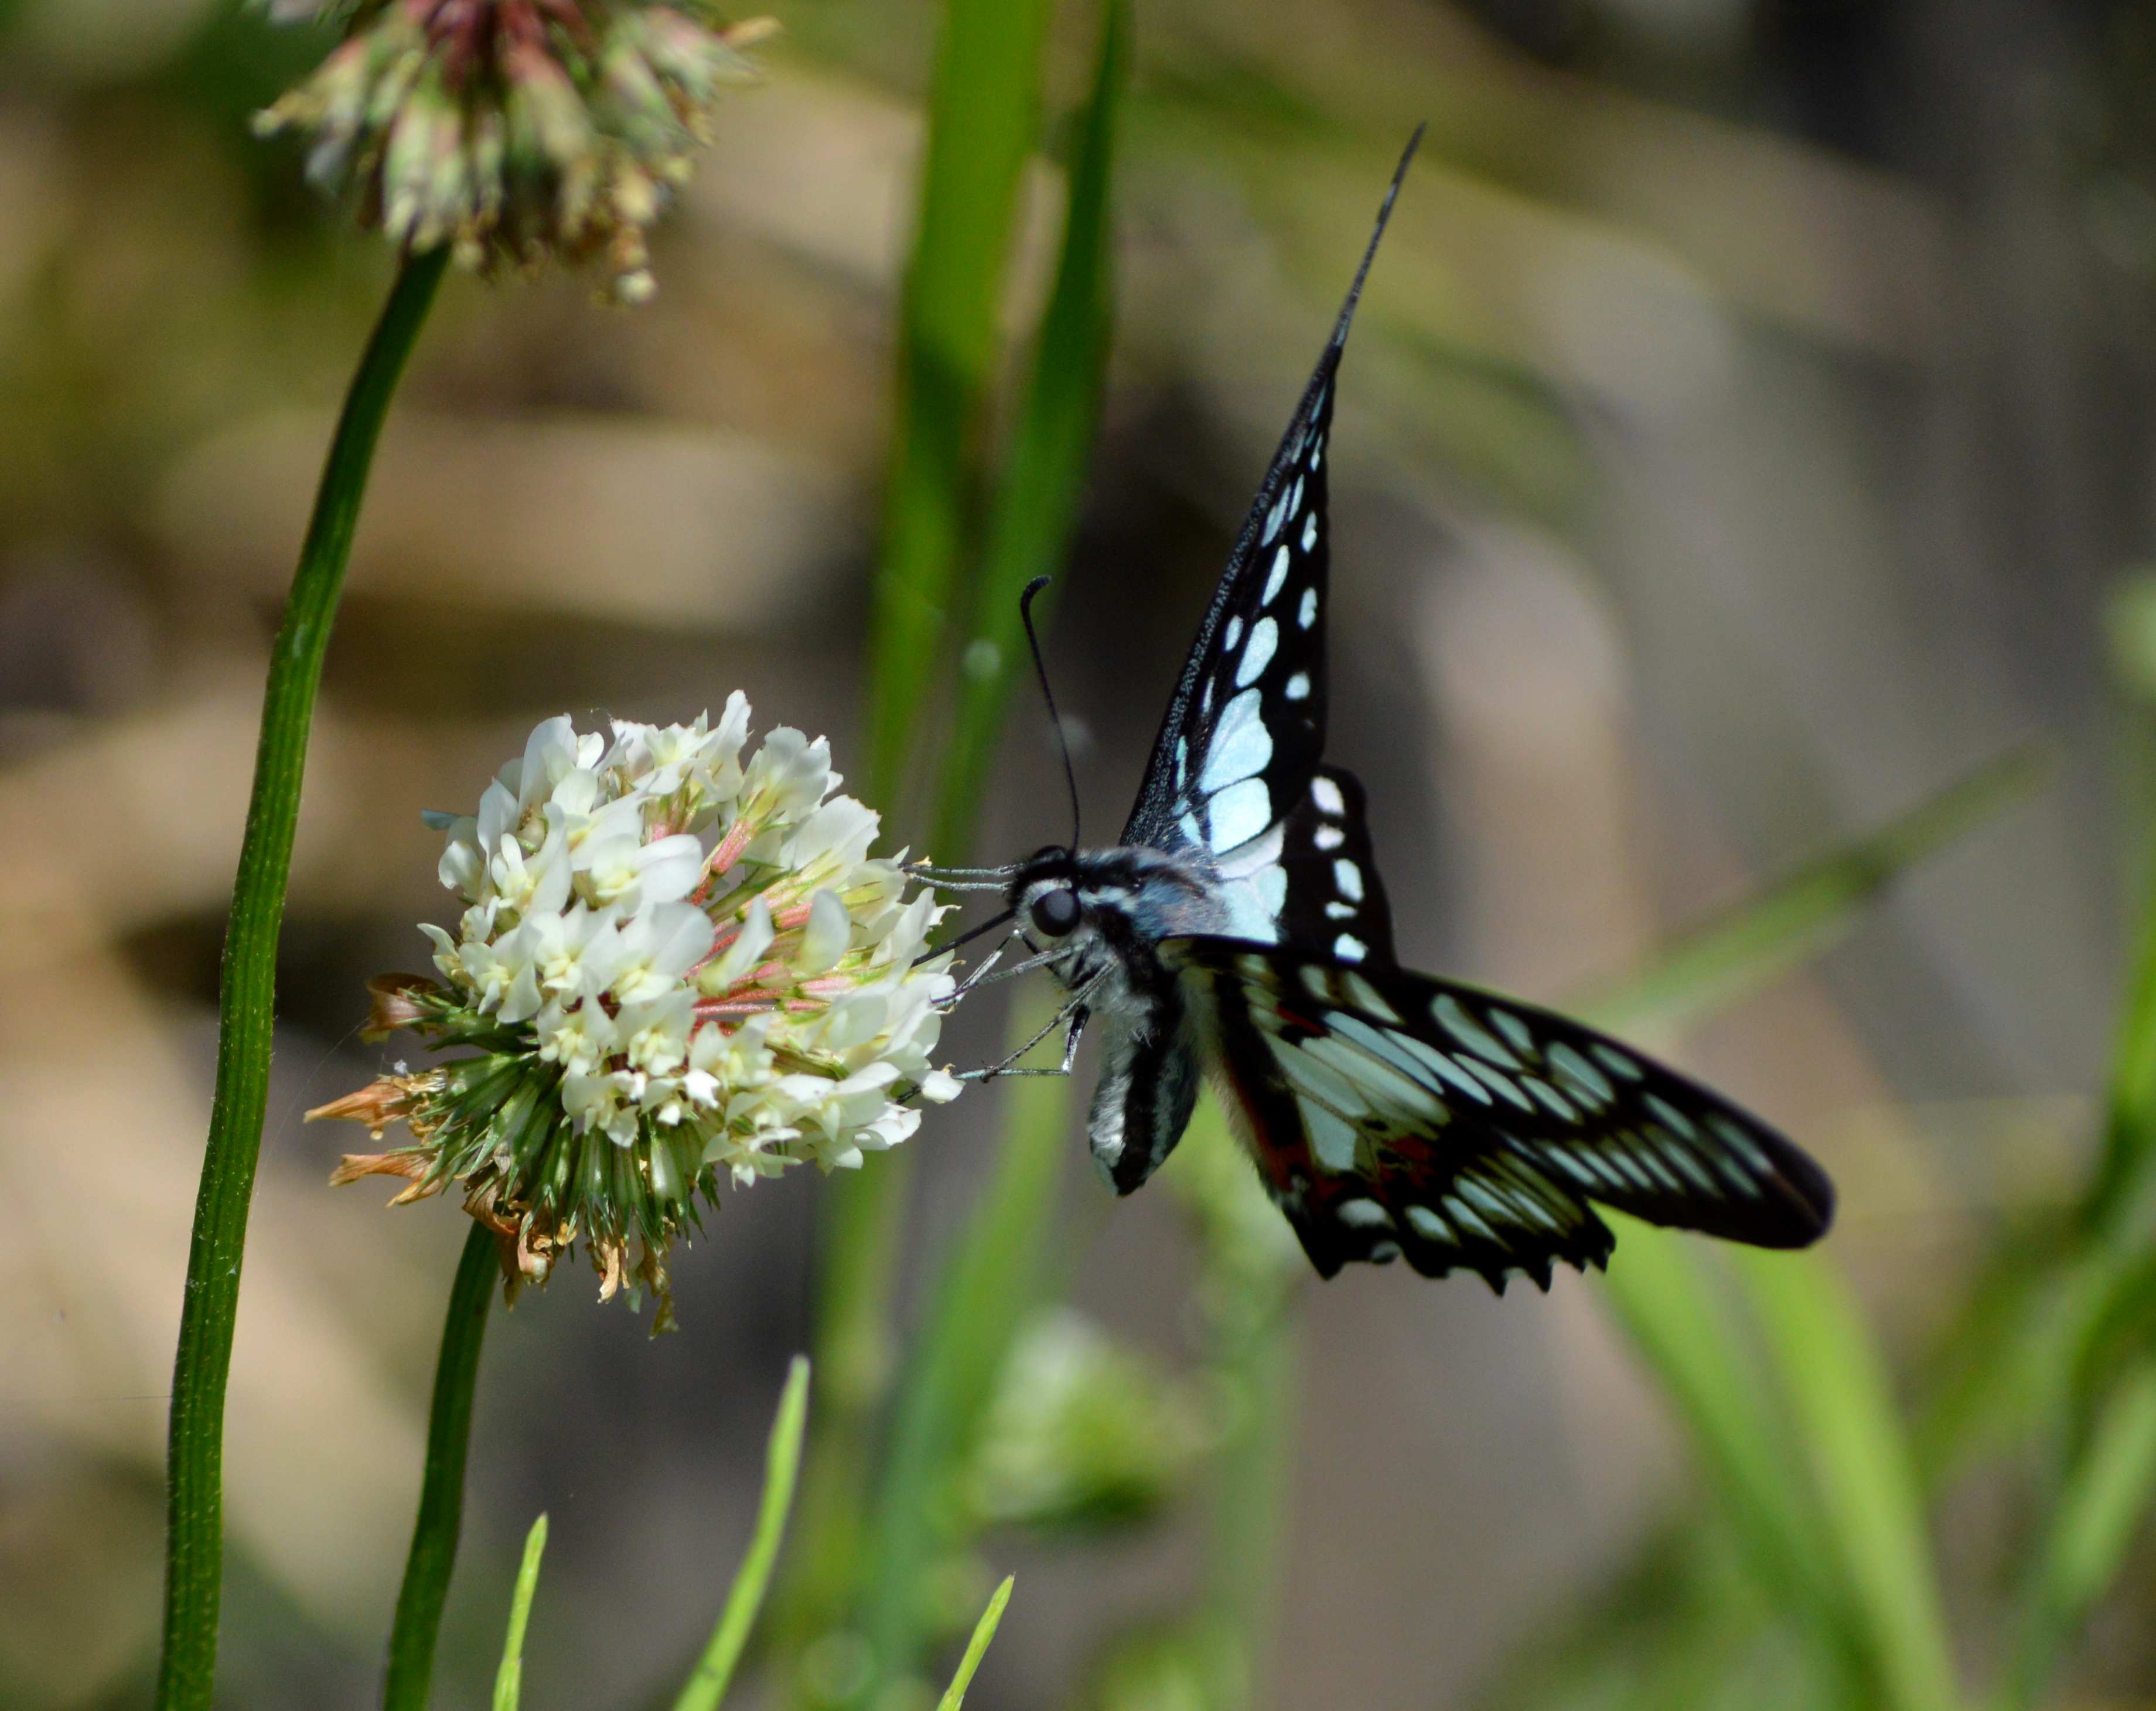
520	131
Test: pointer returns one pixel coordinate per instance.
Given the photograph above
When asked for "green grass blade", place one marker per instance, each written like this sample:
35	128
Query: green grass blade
1832	1372
954	1696
985	1290
984	115
1037	501
1800	914
707	1683
509	1679
2105	1501
1668	1302
1881	1616
194	1544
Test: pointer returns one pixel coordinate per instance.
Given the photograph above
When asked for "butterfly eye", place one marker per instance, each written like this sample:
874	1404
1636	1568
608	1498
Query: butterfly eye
1056	912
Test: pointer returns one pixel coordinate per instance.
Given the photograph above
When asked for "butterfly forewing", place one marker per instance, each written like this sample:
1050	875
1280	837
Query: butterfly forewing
1331	895
1246	724
1392	1113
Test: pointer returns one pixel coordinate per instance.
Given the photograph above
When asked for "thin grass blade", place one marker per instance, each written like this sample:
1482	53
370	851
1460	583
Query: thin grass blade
1830	1368
1800	914
954	1696
2106	1502
993	1279
509	1679
707	1684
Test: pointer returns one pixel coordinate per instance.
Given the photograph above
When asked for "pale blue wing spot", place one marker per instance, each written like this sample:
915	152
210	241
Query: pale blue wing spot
1732	1135
1502	1086
1513	1029
1362	1215
1307	614
1339	912
1239	813
1257	653
1448	1069
1558	1105
1347	879
1389	1046
1455	1021
1464	1217
1188	826
1326	794
1681	1156
1273	519
1241	747
1295	498
1332	1141
1316	1079
1429	1225
1309	532
1348	948
1386	1087
1611	1059
1583	1078
1328	837
1671	1117
1278	575
1367	997
1233	635
1298	686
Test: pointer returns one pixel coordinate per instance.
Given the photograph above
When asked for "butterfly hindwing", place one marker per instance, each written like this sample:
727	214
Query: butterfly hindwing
1245	726
1392	1114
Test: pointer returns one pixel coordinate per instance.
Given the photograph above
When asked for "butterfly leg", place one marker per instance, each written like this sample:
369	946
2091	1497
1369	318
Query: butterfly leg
979	971
1074	1013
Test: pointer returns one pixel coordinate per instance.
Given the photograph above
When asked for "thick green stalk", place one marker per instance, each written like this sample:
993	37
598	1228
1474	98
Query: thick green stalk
1037	499
433	1555
996	1272
194	1548
983	116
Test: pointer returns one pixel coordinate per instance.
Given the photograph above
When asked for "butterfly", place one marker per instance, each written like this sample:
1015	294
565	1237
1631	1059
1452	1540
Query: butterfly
1237	933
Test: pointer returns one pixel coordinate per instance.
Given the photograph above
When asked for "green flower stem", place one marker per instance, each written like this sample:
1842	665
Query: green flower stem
194	1550
433	1554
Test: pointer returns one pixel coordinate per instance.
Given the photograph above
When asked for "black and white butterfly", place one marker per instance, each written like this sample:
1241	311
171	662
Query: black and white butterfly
1239	933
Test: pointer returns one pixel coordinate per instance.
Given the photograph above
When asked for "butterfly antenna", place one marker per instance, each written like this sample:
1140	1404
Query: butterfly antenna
1040	669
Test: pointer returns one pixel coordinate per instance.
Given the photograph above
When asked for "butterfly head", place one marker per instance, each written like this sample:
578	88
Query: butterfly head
1045	895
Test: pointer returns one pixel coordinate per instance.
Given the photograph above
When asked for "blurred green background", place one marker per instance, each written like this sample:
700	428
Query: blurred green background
1749	429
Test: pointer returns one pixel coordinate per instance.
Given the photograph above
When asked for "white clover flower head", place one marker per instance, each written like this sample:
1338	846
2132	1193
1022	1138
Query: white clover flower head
518	131
674	967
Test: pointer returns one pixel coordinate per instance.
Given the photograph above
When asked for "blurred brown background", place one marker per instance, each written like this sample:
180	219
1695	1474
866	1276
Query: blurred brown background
1749	413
